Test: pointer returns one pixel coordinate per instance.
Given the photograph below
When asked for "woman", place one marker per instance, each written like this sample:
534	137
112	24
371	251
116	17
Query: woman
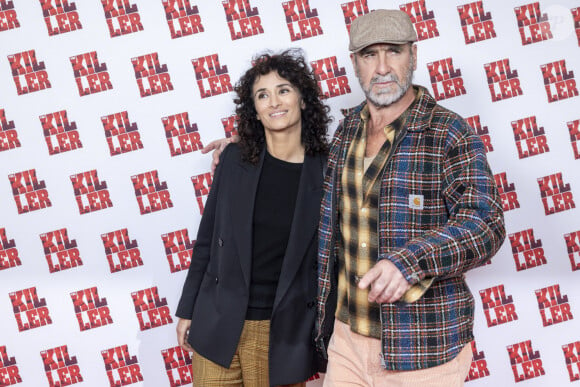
247	308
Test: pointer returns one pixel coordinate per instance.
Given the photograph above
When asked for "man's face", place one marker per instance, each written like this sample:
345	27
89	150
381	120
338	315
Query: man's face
385	71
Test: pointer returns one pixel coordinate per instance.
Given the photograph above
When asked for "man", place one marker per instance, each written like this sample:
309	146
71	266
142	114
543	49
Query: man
408	199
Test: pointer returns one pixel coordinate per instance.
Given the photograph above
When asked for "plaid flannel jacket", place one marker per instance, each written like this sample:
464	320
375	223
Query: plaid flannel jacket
439	215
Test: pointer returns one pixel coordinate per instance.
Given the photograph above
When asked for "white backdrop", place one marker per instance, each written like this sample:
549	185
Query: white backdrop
104	106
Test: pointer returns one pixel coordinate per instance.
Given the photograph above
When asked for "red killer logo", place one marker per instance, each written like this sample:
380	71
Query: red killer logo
122	134
230	125
60	252
478	368
476	24
332	80
573	245
152	311
316	376
526	363
302	21
424	20
182	137
243	20
572	359
90	76
558	82
60	16
9	373
122	17
29	310
61	369
122	368
530	140
152	77
8	17
178	249
91	310
352	10
507	192
482	132
533	25
8	135
122	252
59	134
8	252
575	16
29	193
182	18
177	365
201	185
554	307
498	308
29	75
152	195
90	193
212	78
573	127
503	83
445	80
527	251
556	196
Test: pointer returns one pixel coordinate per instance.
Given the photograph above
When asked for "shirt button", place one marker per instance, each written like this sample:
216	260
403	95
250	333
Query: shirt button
363	244
364	210
359	173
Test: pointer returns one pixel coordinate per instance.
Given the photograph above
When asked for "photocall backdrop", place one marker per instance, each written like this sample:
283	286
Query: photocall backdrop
104	106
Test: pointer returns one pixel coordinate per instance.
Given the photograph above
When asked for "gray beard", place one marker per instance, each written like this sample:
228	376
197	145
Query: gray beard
385	99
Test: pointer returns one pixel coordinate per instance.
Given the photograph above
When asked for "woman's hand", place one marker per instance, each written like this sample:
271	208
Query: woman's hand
182	329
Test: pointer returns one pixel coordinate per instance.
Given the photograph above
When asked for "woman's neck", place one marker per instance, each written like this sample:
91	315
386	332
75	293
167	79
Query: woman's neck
285	146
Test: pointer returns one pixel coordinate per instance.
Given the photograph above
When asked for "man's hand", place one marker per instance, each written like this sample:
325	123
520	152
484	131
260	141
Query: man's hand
182	329
386	281
218	147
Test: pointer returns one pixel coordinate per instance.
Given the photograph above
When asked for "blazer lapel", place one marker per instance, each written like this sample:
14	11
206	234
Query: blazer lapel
245	183
304	222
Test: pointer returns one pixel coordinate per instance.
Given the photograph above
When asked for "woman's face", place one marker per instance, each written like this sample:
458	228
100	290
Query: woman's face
278	103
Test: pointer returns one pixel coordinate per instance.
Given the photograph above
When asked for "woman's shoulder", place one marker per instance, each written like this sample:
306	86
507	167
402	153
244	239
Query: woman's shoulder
231	152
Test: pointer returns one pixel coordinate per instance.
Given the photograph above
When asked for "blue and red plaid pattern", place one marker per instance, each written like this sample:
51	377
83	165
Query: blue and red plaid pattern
457	226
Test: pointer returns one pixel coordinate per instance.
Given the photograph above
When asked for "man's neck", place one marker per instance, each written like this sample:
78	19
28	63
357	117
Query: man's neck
379	117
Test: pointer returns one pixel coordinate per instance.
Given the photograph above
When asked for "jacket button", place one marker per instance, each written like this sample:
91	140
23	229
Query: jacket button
311	304
220	242
216	280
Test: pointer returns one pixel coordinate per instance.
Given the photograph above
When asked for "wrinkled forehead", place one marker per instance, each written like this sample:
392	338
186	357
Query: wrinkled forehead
384	47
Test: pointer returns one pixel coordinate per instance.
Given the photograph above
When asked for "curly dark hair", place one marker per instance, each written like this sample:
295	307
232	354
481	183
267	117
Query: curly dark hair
290	65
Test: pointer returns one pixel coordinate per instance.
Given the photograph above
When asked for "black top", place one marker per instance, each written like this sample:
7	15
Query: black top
273	213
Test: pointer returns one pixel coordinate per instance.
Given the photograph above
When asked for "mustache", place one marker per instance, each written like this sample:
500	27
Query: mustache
384	78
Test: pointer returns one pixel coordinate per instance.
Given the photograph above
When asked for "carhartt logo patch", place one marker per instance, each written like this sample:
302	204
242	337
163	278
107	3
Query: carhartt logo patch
416	202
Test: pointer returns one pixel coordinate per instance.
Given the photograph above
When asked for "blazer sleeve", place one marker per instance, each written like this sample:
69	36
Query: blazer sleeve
202	249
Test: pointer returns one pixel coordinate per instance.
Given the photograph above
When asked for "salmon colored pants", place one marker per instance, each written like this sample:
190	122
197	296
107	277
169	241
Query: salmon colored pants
355	360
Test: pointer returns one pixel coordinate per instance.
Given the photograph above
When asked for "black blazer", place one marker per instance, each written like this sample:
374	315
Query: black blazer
216	290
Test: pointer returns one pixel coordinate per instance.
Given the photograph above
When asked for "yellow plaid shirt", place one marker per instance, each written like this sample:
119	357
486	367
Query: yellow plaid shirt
358	224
